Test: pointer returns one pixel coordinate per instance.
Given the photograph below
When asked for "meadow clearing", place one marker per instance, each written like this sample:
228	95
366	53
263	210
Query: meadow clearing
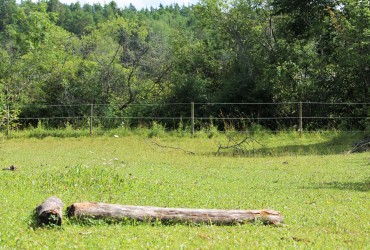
322	192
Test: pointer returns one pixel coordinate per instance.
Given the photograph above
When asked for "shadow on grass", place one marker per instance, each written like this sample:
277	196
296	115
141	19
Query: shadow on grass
363	186
90	222
337	144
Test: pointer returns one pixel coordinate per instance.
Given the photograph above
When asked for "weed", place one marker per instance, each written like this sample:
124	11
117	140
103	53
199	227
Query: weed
157	130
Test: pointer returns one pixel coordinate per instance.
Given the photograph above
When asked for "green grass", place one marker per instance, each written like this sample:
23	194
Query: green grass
322	192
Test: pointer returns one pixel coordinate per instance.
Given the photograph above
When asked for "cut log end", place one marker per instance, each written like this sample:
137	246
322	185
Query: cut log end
50	218
50	212
270	217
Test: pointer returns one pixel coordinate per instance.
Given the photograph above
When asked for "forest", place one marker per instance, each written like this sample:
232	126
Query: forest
54	56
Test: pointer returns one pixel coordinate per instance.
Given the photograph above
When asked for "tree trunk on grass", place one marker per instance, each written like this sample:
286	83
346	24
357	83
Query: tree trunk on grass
50	212
141	213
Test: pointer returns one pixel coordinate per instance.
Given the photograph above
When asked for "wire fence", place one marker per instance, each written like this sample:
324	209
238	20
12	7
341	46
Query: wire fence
301	116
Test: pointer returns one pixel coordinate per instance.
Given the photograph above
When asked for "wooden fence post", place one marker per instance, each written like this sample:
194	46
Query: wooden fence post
192	118
91	118
300	119
7	120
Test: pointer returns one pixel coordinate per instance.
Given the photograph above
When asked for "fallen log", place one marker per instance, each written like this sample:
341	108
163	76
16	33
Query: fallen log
50	212
144	213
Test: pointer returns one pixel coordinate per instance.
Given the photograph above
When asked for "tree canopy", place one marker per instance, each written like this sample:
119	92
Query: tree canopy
214	52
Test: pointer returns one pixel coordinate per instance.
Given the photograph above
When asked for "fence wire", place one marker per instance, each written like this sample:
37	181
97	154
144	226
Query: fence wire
275	115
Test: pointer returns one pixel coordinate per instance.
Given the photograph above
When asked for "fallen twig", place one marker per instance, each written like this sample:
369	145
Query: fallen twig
170	147
237	145
360	146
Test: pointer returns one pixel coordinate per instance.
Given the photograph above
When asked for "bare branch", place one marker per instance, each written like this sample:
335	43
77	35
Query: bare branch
236	145
361	146
131	93
176	148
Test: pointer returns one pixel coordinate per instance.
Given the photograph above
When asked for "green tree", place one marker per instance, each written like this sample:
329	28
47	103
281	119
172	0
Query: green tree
7	9
29	27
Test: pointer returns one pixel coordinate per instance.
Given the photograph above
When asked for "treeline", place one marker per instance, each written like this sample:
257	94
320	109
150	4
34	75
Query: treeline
265	51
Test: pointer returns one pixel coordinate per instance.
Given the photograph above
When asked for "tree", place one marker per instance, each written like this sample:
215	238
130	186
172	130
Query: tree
126	59
7	9
322	53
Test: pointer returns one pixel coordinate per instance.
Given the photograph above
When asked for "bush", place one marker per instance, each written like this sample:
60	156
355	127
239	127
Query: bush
157	130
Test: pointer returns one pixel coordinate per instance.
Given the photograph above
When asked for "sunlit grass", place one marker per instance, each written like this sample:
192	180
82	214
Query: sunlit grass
322	192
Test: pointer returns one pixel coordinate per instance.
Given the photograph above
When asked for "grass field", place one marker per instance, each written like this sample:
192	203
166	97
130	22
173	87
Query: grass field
322	192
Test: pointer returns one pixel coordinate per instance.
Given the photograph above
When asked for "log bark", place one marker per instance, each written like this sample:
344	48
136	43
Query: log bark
50	212
144	213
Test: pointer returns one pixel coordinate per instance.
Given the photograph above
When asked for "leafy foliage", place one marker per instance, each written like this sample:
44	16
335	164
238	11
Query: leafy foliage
216	51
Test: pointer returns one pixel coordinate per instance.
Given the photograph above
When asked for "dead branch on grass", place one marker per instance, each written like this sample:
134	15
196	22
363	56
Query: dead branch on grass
170	147
360	146
232	143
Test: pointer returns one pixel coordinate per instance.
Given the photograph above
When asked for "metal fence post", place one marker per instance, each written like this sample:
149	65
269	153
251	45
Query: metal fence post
300	119
91	118
192	118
